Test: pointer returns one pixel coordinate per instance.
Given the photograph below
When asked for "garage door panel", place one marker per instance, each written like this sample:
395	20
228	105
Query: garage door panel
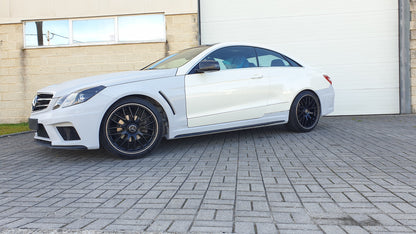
311	43
359	102
218	10
356	42
337	52
344	76
294	29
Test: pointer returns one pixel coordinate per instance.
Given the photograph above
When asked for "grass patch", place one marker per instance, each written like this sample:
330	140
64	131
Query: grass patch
357	120
13	128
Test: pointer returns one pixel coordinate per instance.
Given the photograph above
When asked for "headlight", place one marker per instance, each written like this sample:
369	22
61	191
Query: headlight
78	97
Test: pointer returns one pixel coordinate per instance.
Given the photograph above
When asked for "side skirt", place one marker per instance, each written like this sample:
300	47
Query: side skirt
229	129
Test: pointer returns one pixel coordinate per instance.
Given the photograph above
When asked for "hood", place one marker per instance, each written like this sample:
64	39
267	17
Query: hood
106	80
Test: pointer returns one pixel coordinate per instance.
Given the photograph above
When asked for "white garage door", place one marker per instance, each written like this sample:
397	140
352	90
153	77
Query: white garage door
356	42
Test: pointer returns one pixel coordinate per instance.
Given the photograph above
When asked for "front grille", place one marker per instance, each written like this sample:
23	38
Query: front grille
41	101
42	131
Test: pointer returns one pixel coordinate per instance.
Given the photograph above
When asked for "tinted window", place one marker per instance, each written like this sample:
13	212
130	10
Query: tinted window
268	58
292	62
234	57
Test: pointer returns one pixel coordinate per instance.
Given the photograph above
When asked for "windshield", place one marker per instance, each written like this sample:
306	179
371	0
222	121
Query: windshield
176	60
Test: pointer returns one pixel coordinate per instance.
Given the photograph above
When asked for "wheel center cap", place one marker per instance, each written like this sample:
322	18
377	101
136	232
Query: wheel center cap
132	128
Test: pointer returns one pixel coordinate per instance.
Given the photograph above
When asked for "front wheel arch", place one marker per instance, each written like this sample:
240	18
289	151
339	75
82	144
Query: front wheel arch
154	107
149	99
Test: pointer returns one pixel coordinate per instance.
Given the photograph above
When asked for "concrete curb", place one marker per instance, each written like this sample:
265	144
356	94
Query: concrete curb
16	134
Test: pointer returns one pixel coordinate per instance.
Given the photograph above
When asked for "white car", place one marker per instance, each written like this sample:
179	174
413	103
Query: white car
201	90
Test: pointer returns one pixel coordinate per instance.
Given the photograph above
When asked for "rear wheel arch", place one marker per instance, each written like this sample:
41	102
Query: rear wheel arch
308	90
305	111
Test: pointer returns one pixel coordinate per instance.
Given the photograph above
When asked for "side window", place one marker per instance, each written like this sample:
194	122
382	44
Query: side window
268	58
234	57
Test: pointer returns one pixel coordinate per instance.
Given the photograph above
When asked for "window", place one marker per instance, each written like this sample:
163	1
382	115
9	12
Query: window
47	33
104	30
93	31
234	57
268	58
131	28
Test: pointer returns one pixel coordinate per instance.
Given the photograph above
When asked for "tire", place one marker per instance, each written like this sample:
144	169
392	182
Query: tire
305	112
131	128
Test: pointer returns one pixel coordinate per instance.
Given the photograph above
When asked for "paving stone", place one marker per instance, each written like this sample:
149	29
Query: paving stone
79	223
345	176
332	229
159	226
150	213
244	227
211	229
18	223
266	228
204	214
98	224
180	226
224	215
355	229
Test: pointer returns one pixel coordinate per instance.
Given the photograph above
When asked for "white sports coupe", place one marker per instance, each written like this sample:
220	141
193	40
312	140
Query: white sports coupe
201	90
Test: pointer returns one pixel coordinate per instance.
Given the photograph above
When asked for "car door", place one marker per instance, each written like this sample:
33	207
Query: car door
285	77
238	91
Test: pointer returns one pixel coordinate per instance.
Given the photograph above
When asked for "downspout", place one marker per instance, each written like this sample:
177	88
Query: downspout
404	57
199	22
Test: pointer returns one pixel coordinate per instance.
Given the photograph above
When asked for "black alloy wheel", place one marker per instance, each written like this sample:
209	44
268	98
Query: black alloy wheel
131	128
305	112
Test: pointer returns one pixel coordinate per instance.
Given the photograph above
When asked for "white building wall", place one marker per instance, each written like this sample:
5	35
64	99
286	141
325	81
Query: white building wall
14	11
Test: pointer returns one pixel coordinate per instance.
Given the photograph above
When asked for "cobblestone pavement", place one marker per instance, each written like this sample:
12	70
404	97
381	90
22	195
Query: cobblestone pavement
351	174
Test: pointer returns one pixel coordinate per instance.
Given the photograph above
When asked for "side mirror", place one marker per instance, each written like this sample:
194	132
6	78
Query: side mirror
208	65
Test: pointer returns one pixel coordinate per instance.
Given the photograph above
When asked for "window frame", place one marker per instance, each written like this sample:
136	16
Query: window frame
292	63
116	40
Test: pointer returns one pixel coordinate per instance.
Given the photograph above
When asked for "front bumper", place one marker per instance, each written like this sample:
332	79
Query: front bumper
74	127
70	147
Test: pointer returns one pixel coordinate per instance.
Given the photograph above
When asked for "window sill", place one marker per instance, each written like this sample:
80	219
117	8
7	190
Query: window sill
91	44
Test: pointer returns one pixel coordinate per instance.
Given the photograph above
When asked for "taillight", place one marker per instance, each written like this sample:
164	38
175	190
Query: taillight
328	79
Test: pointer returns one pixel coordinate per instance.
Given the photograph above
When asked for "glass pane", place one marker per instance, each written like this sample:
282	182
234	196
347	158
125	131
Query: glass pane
94	30
268	58
142	28
54	32
234	57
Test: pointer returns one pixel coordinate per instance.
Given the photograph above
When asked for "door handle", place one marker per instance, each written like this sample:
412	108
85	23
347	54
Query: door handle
257	76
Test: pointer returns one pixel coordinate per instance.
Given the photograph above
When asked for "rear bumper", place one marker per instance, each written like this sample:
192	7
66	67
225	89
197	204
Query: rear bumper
327	97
